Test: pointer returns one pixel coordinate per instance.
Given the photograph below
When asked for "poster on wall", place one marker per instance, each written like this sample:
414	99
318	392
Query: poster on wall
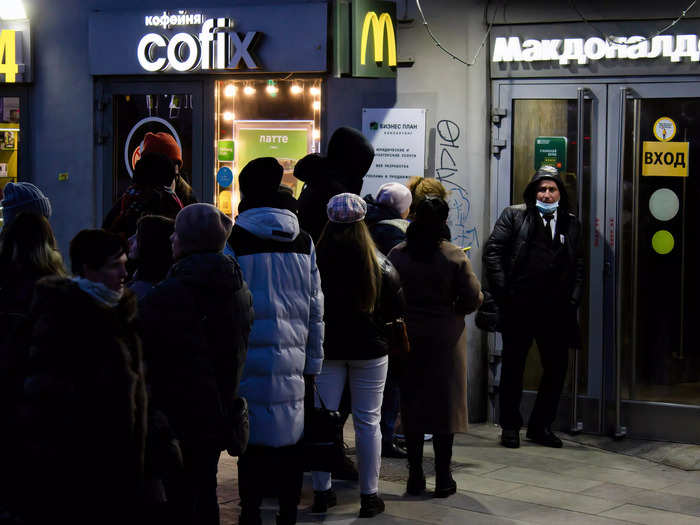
287	141
398	138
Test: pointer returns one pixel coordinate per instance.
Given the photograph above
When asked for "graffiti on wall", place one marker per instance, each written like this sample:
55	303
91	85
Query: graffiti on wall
464	233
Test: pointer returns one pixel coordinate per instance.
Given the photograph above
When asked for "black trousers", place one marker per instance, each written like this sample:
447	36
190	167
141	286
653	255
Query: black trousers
552	342
263	469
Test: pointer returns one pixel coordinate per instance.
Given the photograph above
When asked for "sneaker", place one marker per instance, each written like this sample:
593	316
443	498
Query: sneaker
323	500
370	505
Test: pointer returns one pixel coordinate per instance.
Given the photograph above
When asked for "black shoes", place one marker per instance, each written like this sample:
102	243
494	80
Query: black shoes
347	471
416	482
370	505
510	438
544	437
323	500
445	487
392	450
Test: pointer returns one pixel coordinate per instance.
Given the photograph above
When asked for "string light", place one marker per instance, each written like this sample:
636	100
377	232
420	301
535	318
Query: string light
230	90
272	88
315	91
249	90
228	116
316	134
316	105
296	89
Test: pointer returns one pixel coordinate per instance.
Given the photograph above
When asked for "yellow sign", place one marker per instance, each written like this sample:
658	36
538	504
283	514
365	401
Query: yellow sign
381	27
8	60
664	129
665	159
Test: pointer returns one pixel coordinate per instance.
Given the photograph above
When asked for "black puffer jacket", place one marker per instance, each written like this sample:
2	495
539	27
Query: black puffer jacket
353	334
195	327
385	224
350	155
84	407
507	247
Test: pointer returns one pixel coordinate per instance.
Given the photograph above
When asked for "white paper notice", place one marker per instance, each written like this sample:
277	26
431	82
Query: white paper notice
398	137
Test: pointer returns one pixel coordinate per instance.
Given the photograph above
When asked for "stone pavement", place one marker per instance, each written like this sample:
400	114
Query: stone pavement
574	485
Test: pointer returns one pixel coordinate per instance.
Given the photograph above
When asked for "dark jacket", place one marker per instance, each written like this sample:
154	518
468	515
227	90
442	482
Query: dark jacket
439	293
349	157
195	327
353	334
507	249
385	224
84	405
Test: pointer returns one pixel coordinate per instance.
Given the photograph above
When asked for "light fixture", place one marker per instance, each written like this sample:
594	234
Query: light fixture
228	116
249	90
316	134
296	89
316	105
230	90
315	91
272	88
12	10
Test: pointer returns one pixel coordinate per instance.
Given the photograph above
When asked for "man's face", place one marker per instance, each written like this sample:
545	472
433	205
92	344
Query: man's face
112	273
547	191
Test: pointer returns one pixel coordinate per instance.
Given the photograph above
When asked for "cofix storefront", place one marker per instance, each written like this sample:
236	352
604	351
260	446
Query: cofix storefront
230	84
616	111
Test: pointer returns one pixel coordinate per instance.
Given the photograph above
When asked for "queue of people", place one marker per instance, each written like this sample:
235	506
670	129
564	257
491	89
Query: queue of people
127	371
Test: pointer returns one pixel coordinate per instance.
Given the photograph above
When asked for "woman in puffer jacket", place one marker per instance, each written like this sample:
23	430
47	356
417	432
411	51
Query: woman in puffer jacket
362	294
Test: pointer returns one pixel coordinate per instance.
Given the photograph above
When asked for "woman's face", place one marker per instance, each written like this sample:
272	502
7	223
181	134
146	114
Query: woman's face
133	247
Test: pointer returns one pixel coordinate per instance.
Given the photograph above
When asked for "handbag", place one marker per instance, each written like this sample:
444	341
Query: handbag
323	438
239	427
398	338
488	316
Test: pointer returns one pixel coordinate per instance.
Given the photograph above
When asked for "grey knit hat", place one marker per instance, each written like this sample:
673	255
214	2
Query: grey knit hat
23	196
201	227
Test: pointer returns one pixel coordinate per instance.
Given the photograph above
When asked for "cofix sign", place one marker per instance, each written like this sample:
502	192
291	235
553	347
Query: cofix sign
14	52
278	38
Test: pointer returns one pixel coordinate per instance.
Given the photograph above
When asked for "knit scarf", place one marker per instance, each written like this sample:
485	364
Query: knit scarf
99	292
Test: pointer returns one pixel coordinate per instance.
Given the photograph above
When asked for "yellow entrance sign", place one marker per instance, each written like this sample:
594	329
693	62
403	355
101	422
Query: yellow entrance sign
665	159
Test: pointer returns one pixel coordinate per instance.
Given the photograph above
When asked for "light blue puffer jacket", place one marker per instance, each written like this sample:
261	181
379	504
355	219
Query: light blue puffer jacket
278	262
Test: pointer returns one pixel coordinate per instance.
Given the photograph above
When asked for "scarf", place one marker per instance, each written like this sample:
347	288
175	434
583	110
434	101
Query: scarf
99	292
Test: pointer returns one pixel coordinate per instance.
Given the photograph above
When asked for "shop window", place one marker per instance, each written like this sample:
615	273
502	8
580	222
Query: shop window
263	118
9	139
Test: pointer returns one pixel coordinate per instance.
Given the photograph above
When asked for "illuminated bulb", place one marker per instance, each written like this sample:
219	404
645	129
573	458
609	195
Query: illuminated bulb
296	89
316	134
317	104
249	90
230	90
315	91
228	116
272	89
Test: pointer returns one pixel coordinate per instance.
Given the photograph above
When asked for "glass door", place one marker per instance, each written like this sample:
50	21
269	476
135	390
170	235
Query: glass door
561	125
129	110
655	141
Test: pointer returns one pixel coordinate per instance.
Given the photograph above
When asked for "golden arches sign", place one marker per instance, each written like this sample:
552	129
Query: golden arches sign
381	27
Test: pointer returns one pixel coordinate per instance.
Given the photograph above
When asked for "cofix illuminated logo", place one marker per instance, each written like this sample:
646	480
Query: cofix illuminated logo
217	46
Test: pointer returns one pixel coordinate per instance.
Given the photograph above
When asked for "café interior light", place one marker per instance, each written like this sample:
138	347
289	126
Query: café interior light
228	116
296	89
316	105
249	90
315	91
316	134
271	88
230	90
12	10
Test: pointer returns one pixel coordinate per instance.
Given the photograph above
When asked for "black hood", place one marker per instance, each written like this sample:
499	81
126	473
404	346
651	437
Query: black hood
531	188
350	155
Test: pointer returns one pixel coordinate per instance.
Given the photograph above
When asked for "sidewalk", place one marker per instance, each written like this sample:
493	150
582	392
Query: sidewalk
574	485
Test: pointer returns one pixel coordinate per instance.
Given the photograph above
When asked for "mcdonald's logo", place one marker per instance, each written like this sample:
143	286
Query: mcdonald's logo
381	27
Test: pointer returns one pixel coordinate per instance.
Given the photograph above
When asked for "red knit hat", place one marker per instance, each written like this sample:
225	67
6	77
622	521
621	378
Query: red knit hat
162	143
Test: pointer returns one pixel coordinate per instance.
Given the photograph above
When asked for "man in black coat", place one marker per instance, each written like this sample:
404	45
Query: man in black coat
534	269
195	339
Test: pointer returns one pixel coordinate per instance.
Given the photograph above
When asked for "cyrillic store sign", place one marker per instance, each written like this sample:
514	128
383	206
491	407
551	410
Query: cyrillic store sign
287	37
15	51
571	49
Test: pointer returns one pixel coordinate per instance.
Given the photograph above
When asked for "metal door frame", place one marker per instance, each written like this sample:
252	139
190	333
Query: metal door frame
202	157
641	419
504	91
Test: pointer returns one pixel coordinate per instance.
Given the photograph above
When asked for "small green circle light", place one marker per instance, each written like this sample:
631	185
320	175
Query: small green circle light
662	242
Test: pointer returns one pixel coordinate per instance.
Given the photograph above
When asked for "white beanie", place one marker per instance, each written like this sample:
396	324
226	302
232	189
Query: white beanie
395	196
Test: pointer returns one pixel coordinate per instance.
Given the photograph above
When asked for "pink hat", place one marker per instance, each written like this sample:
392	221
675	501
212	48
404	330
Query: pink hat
395	196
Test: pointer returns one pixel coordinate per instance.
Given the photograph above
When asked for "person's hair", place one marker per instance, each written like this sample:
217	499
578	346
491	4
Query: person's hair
428	228
29	247
421	188
92	248
155	255
349	265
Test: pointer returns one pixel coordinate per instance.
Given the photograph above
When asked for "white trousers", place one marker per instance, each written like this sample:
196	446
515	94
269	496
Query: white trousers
367	378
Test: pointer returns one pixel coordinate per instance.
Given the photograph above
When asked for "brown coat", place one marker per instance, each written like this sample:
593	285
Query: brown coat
439	293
